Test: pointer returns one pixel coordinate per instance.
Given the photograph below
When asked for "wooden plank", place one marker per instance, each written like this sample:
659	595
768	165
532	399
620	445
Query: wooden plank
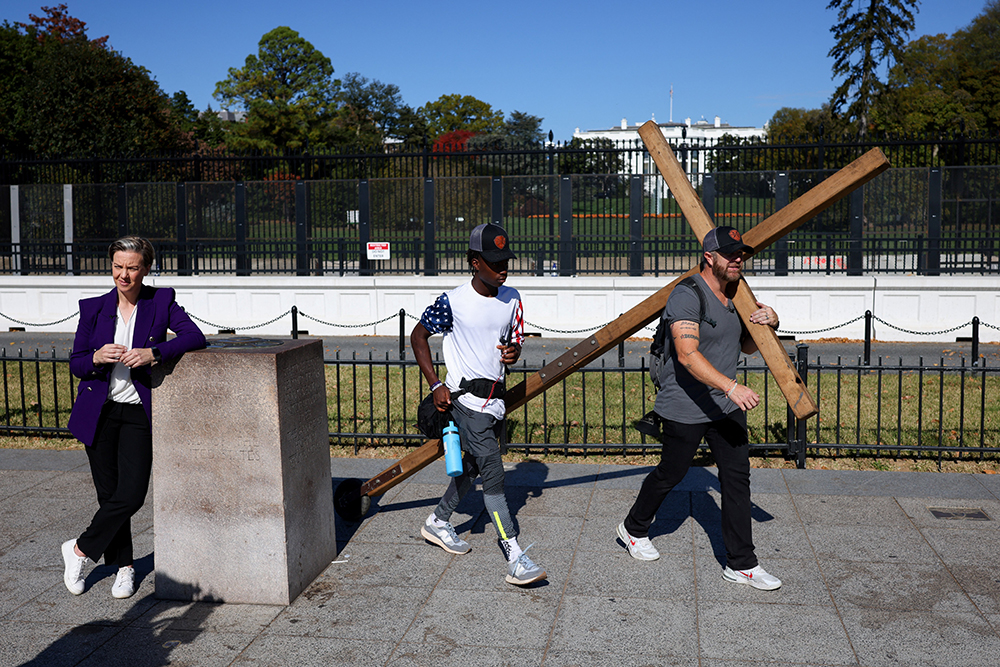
784	372
403	469
768	345
593	347
573	359
817	199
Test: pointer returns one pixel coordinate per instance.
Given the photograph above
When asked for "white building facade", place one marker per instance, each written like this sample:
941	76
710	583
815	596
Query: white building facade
700	136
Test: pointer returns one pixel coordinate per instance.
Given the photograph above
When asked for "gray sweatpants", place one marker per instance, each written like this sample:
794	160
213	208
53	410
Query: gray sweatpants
482	436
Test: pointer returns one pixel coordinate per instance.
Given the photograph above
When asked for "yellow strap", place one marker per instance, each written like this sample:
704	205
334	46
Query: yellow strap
503	534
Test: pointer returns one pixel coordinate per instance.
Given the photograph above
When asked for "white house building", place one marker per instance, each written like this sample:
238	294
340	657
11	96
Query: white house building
701	133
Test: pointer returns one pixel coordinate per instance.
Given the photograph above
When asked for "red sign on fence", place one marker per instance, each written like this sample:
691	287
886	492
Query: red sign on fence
378	250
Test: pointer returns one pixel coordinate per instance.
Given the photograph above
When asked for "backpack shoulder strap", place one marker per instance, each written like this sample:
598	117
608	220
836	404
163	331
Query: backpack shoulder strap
693	284
659	344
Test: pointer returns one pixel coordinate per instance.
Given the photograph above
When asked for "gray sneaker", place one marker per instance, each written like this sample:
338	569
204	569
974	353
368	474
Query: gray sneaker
523	571
444	536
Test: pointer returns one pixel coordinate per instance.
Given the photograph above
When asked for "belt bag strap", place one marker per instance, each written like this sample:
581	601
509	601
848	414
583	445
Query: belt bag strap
482	388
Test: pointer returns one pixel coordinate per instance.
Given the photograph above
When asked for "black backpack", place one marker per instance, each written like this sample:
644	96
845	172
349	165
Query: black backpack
659	349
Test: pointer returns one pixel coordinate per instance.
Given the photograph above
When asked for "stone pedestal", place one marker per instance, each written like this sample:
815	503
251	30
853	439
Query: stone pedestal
243	500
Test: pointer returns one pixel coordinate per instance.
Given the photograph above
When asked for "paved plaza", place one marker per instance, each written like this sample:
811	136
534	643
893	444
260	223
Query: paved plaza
872	576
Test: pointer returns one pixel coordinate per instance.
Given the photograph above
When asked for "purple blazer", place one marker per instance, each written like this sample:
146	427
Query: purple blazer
157	312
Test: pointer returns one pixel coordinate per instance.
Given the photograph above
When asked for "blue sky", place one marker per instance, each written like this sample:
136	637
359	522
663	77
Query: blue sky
581	64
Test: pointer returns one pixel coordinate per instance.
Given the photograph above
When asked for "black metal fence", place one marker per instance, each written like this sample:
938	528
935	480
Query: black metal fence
596	208
920	221
929	409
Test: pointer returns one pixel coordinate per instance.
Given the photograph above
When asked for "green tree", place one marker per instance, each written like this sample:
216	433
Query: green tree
590	156
737	167
16	65
524	128
411	126
869	34
211	130
799	126
924	95
183	111
519	131
288	92
460	112
370	110
977	65
942	84
65	94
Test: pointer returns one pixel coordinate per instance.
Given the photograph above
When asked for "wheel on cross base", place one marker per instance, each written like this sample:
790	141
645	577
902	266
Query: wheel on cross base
348	501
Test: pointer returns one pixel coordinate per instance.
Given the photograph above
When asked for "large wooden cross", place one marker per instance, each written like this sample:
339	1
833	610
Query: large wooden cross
353	497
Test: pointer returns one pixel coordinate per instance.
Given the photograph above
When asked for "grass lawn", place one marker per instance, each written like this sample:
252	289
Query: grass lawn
866	411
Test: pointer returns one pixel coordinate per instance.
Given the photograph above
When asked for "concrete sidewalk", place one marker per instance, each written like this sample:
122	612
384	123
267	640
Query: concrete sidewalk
871	577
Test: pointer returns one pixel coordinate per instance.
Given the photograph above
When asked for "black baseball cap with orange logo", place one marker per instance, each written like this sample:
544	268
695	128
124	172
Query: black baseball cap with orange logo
725	240
491	242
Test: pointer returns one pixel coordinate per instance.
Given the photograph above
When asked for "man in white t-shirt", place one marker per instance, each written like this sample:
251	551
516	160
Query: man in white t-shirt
483	326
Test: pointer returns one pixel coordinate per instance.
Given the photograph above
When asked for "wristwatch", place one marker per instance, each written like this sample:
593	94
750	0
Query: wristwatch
157	357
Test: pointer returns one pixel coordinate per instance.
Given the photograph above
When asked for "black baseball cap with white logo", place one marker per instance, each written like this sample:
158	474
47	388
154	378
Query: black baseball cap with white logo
491	242
725	240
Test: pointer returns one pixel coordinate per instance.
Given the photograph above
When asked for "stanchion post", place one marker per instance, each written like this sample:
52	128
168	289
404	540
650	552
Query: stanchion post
868	338
402	334
295	322
802	361
975	341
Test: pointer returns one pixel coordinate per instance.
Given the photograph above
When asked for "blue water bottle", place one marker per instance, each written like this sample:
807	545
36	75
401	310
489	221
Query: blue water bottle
452	450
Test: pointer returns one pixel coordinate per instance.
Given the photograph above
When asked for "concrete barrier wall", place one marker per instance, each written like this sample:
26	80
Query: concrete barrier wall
805	304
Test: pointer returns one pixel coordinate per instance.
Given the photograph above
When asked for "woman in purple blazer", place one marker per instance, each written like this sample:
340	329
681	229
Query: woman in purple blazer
119	336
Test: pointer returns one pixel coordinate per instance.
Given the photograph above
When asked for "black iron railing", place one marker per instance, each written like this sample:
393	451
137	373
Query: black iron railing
926	409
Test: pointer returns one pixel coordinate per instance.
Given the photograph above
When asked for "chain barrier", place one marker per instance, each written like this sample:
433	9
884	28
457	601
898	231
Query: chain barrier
536	326
567	331
816	331
35	324
252	326
350	326
921	333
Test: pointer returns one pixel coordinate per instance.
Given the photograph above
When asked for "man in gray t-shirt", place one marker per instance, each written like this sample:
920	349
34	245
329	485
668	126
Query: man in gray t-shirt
682	397
700	398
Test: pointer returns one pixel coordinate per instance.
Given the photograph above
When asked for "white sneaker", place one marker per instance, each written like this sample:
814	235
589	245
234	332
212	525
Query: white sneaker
639	547
444	536
524	571
73	572
124	585
756	577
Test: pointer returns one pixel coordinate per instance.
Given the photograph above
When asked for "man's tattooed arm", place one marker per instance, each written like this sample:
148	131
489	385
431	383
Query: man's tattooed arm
685	336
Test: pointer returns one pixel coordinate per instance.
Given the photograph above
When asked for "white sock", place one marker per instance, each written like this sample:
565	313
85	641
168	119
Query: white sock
433	518
511	549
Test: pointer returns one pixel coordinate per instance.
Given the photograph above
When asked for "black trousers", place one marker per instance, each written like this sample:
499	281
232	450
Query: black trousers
121	459
727	439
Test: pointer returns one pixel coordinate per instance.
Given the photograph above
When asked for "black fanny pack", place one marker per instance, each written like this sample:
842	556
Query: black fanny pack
431	421
482	388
